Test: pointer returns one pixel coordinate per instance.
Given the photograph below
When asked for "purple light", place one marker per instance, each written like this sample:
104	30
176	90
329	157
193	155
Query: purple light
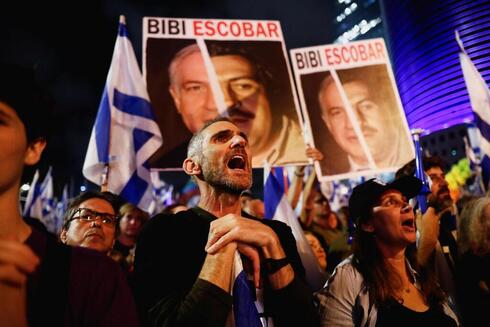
424	53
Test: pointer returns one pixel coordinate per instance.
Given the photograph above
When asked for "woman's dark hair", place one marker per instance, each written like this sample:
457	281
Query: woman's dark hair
34	105
369	262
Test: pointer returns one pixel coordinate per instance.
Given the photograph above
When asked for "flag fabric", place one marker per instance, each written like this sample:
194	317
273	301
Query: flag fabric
125	133
40	203
32	194
162	194
480	102
332	191
190	194
420	172
277	207
245	312
473	153
42	199
60	209
48	203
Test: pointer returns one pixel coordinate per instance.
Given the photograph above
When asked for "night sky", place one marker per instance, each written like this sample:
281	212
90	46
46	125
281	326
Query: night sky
71	46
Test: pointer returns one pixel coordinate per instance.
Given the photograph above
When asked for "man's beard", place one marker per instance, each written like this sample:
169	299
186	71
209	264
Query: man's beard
440	201
218	179
444	200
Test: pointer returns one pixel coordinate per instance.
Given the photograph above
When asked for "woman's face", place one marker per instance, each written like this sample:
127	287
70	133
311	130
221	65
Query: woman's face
132	223
318	250
15	151
393	220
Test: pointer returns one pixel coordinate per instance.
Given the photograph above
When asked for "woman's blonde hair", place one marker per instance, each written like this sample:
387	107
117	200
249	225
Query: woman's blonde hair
128	207
473	227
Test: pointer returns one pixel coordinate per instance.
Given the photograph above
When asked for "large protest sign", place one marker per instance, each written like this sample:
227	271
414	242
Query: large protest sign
352	109
199	69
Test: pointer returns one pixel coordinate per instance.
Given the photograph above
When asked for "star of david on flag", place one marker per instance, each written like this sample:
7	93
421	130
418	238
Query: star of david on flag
125	133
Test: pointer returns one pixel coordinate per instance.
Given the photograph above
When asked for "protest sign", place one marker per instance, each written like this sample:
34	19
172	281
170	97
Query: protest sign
199	69
352	109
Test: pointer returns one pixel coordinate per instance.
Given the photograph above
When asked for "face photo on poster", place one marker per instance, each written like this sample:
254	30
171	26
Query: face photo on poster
193	80
356	120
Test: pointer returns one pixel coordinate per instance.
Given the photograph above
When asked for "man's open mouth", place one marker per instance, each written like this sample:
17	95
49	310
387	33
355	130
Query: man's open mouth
237	162
409	222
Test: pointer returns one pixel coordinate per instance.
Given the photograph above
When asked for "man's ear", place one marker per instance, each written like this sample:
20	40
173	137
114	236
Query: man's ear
63	236
34	151
191	167
175	95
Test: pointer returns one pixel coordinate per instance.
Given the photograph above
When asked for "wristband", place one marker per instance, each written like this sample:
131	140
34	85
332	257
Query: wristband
270	265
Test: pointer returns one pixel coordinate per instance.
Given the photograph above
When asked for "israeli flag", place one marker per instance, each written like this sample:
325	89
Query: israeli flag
42	202
277	207
32	195
125	133
163	194
473	153
60	209
480	102
245	312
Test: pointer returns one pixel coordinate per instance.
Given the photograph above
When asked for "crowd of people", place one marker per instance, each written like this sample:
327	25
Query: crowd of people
112	264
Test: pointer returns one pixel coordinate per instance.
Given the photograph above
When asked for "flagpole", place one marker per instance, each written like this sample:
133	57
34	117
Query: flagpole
104	179
419	170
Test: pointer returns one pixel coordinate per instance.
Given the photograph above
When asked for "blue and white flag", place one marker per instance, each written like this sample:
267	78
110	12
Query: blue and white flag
277	207
163	194
32	194
480	102
48	203
420	172
42	203
473	153
245	313
125	133
61	207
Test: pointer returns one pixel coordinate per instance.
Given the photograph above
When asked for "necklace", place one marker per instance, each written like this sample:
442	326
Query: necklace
408	286
399	299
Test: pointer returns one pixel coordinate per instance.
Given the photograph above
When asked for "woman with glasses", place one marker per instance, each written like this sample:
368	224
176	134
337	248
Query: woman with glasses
91	222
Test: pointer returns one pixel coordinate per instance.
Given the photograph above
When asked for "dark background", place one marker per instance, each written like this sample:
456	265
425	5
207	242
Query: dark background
71	46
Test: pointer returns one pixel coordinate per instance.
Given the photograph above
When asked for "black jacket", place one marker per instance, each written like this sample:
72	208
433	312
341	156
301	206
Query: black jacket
169	257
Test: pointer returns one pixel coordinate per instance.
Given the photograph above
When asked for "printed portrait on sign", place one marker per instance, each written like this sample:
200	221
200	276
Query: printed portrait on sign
371	97
249	79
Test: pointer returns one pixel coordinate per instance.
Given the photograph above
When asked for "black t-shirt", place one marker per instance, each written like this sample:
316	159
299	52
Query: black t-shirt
396	314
